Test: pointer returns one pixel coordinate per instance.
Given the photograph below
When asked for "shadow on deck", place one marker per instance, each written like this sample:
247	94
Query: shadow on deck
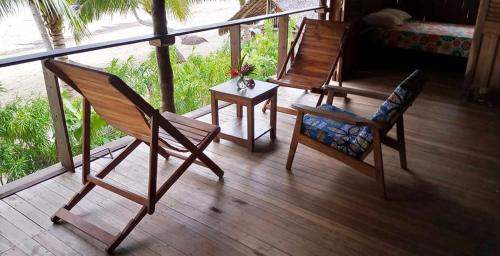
448	204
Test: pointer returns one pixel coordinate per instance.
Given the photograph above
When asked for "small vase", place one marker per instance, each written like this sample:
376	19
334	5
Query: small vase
241	83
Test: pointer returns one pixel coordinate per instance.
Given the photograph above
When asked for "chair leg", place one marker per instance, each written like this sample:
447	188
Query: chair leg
109	240
381	183
379	164
266	105
211	165
295	140
89	186
291	153
401	143
320	100
126	231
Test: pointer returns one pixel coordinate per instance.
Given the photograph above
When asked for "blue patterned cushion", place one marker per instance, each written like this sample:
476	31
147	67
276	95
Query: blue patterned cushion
403	95
349	139
396	101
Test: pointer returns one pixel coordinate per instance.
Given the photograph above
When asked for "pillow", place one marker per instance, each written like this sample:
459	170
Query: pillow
383	19
402	15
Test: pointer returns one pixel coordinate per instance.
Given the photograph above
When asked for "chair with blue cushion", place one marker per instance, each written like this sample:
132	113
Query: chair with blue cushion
350	138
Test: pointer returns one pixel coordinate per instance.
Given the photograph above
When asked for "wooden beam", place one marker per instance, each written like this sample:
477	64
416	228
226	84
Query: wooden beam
336	9
235	42
63	147
322	13
163	57
282	41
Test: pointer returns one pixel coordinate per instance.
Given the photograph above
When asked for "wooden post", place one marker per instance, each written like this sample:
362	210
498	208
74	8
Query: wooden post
322	12
163	57
63	147
86	140
282	40
235	41
336	10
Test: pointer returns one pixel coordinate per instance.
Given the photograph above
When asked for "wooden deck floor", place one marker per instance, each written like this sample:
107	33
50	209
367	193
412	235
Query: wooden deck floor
448	204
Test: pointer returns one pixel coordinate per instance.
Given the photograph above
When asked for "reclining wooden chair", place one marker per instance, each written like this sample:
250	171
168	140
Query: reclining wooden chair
318	57
166	134
348	137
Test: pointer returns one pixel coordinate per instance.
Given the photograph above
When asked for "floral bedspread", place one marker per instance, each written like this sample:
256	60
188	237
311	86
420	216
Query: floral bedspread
433	37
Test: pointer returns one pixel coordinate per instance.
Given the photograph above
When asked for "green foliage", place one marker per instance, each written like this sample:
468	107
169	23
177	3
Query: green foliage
192	79
262	51
27	139
26	142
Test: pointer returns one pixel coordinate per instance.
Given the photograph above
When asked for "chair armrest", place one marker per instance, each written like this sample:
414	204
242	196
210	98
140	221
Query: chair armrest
335	116
364	93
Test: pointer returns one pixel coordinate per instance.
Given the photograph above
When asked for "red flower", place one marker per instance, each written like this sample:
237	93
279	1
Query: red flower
234	72
466	45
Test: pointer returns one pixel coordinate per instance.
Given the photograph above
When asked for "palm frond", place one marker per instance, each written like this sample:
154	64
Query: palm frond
9	7
92	10
62	8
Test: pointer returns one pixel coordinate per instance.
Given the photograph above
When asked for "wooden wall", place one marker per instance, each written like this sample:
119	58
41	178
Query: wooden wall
483	70
449	11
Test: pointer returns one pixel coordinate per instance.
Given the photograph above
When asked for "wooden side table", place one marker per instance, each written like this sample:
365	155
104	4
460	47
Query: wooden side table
234	131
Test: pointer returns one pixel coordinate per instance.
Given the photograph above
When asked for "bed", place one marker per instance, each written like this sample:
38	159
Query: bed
432	37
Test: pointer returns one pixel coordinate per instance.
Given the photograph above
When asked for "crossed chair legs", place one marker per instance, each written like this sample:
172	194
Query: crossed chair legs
148	204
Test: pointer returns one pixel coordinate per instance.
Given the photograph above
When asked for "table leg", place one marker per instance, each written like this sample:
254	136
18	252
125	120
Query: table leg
274	110
215	114
239	110
250	127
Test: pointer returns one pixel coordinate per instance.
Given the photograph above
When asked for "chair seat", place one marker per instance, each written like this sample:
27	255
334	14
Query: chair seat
300	81
350	139
194	130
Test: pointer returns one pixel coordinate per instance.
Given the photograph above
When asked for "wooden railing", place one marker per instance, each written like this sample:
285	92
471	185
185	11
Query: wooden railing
65	156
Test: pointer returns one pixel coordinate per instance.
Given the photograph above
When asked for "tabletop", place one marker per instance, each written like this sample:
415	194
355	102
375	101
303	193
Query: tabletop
230	88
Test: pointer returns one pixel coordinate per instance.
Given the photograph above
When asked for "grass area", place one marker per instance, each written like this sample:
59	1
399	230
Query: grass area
26	133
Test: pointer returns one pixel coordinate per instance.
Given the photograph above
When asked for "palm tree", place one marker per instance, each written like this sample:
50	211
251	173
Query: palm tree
49	16
90	10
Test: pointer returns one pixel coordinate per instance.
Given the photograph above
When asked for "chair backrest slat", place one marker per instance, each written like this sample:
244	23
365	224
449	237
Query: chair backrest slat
115	102
319	47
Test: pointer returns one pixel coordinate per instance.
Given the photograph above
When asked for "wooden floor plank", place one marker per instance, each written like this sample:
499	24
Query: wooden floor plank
20	239
19	220
15	251
54	245
5	244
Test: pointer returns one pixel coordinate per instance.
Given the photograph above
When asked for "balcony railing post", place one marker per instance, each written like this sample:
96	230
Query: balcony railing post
163	56
282	40
336	9
322	13
235	42
63	147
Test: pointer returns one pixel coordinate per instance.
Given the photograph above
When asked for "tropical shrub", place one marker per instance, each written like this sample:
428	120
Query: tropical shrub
192	79
26	142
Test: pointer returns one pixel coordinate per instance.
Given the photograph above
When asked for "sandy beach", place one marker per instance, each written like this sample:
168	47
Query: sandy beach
20	36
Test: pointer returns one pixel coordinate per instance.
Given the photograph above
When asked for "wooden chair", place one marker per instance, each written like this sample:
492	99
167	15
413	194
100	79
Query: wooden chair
166	134
319	56
348	137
